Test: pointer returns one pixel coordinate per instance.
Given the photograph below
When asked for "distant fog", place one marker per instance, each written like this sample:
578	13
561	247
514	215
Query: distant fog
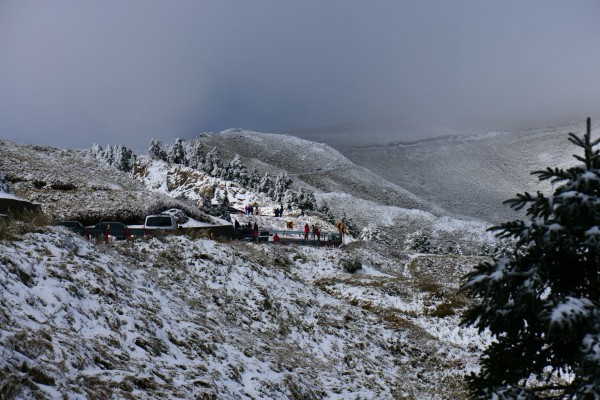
75	73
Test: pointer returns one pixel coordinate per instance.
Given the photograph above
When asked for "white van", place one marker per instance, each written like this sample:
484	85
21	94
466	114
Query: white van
165	222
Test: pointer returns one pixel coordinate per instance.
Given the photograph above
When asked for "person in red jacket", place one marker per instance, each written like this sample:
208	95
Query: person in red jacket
276	238
317	236
306	231
255	232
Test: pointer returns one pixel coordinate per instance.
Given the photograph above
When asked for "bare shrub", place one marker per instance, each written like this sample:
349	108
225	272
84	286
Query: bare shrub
351	265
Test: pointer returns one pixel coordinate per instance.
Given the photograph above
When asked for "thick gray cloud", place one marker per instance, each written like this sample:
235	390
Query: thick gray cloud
77	72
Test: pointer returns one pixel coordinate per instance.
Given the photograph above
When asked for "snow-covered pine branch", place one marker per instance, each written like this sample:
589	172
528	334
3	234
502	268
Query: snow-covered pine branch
541	304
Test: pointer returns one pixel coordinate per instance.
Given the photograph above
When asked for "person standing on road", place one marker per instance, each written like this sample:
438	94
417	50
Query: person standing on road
276	238
306	230
255	232
317	236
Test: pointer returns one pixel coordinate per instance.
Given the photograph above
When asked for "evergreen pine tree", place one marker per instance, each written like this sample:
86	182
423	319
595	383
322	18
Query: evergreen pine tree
176	154
156	150
212	163
282	183
194	155
542	305
123	159
109	155
324	209
219	206
227	172
237	171
305	200
253	180
349	225
97	151
290	197
310	201
119	157
266	184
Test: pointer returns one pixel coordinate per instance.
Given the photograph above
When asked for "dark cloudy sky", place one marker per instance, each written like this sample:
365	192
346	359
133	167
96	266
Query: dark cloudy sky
123	71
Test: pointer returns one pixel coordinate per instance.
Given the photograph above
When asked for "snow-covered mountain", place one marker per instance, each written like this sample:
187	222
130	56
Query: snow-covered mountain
182	317
468	173
317	165
385	211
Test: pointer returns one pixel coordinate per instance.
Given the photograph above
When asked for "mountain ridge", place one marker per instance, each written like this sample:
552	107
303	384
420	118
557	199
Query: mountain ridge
468	175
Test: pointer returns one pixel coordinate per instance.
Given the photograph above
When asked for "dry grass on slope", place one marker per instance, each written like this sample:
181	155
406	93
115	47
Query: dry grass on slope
70	185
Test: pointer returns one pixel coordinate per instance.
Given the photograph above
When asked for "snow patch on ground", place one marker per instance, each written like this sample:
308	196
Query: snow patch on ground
186	318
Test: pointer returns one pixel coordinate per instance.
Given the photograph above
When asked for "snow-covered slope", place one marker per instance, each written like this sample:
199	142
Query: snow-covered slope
469	175
374	219
312	163
179	181
397	226
71	185
192	318
182	318
383	222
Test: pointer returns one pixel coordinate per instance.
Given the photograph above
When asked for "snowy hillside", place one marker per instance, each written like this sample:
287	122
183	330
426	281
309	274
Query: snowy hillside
71	185
182	318
179	181
468	175
390	224
314	164
398	227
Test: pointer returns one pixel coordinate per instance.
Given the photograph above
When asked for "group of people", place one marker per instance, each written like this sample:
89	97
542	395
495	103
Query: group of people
278	211
316	233
251	209
255	233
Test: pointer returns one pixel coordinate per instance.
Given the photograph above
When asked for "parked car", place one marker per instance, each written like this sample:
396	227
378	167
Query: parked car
116	230
263	236
163	222
246	234
243	233
75	226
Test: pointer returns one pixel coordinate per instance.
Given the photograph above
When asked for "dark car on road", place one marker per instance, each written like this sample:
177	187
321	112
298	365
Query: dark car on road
74	226
115	230
246	234
243	233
